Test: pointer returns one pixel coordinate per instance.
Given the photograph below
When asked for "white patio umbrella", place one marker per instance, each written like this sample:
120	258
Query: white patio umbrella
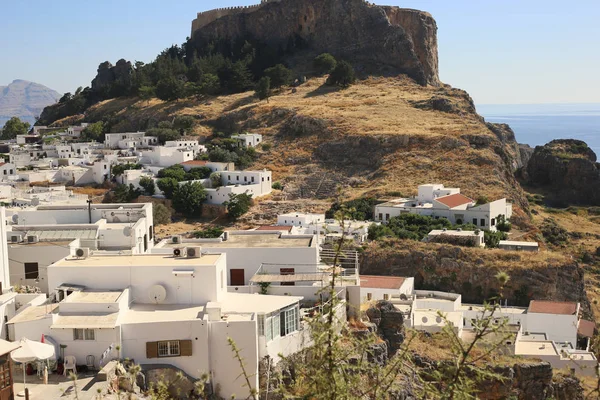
30	351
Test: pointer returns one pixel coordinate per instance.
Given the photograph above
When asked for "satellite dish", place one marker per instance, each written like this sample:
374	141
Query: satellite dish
127	231
157	294
15	218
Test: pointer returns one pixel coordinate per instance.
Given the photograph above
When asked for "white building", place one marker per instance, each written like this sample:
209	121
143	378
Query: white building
549	330
255	183
192	145
518	246
436	201
300	219
39	236
128	140
213	165
477	238
248	250
163	309
248	139
7	170
163	156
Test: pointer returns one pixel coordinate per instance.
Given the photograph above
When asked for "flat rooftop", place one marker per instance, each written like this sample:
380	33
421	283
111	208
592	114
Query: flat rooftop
454	232
91	296
517	243
149	313
33	313
263	240
85	321
138	260
545	348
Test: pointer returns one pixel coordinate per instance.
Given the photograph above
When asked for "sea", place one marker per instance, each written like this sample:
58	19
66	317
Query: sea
537	124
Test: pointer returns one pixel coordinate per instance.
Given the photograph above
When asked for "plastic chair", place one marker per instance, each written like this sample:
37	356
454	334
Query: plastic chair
70	364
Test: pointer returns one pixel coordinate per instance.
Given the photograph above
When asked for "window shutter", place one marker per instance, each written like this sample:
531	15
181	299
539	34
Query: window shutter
185	347
151	349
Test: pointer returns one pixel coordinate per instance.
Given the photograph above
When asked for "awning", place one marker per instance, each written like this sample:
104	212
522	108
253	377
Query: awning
264	278
7	347
586	328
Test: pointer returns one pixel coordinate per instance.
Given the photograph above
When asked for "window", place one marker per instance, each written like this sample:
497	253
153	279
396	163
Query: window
369	296
475	221
5	373
168	348
245	179
83	334
387	217
261	325
150	232
386	296
287	271
289	320
32	270
104	166
229	177
268	178
263	179
493	223
380	216
252	179
237	178
482	222
236	277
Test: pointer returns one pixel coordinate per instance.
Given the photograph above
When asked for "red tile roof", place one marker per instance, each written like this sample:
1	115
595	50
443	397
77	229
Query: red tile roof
455	200
286	228
194	162
2	163
552	307
381	282
586	328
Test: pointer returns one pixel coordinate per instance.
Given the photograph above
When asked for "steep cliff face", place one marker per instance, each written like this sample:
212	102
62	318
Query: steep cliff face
471	272
567	170
375	39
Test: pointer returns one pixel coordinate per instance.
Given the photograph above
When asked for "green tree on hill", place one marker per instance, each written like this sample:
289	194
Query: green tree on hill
279	75
14	127
342	75
263	89
167	186
324	63
147	184
170	89
188	198
94	132
238	204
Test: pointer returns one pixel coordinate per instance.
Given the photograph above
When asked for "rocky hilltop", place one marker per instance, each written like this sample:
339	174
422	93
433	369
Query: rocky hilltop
567	171
377	39
25	100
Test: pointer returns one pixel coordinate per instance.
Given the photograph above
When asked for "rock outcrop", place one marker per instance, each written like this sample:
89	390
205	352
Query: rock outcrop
567	171
472	272
390	324
108	74
376	39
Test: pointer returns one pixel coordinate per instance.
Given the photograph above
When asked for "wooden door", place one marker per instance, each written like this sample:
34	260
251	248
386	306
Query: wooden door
236	277
6	380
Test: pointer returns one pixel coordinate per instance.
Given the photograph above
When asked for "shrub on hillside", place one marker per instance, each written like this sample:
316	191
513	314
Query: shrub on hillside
359	209
147	184
161	214
554	233
277	185
188	198
342	75
492	239
238	204
324	63
167	186
209	233
279	75
170	89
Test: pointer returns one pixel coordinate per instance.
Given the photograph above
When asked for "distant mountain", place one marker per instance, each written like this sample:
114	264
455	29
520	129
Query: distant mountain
25	100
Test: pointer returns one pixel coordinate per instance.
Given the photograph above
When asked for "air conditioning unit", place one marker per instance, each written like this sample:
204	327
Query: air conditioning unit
83	252
15	239
33	239
176	239
179	252
194	252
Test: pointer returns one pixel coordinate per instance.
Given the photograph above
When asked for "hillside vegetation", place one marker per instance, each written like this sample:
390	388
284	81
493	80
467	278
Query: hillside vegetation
381	136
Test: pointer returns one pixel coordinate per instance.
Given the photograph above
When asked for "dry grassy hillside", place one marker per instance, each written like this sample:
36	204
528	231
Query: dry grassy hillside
382	136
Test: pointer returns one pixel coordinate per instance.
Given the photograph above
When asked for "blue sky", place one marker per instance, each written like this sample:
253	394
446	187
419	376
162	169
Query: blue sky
501	52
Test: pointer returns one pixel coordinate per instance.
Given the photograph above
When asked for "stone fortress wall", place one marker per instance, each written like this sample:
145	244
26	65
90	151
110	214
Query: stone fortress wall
206	17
